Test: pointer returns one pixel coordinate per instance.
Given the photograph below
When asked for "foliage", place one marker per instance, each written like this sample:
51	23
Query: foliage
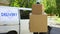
58	6
14	3
22	3
50	6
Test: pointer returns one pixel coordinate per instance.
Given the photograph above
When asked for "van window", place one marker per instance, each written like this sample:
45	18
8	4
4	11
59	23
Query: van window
24	14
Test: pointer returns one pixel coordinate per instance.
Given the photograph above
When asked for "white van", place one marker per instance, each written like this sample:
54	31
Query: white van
10	21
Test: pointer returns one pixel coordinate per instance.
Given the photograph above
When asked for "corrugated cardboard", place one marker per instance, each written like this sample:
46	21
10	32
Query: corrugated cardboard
38	23
37	9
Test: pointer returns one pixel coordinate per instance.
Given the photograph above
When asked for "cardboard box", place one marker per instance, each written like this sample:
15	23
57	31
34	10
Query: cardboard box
37	9
38	23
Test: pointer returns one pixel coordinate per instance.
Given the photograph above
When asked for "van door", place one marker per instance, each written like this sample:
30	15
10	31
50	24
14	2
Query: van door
9	19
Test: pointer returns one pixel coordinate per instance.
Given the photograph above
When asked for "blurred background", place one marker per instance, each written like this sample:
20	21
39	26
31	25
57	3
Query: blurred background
51	7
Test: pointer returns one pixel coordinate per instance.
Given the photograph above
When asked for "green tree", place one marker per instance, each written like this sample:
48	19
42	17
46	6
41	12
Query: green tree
14	3
58	6
50	6
22	3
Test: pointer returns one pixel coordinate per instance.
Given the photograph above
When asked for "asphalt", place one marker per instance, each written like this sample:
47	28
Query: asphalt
55	30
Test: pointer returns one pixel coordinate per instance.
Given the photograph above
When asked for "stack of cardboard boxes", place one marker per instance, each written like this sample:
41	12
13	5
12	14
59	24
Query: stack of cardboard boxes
38	21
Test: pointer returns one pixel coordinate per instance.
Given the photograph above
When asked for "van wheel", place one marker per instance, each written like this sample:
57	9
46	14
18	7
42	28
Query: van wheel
35	32
49	29
12	32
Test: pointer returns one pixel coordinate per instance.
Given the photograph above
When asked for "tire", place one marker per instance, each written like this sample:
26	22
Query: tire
49	29
35	32
12	32
43	33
